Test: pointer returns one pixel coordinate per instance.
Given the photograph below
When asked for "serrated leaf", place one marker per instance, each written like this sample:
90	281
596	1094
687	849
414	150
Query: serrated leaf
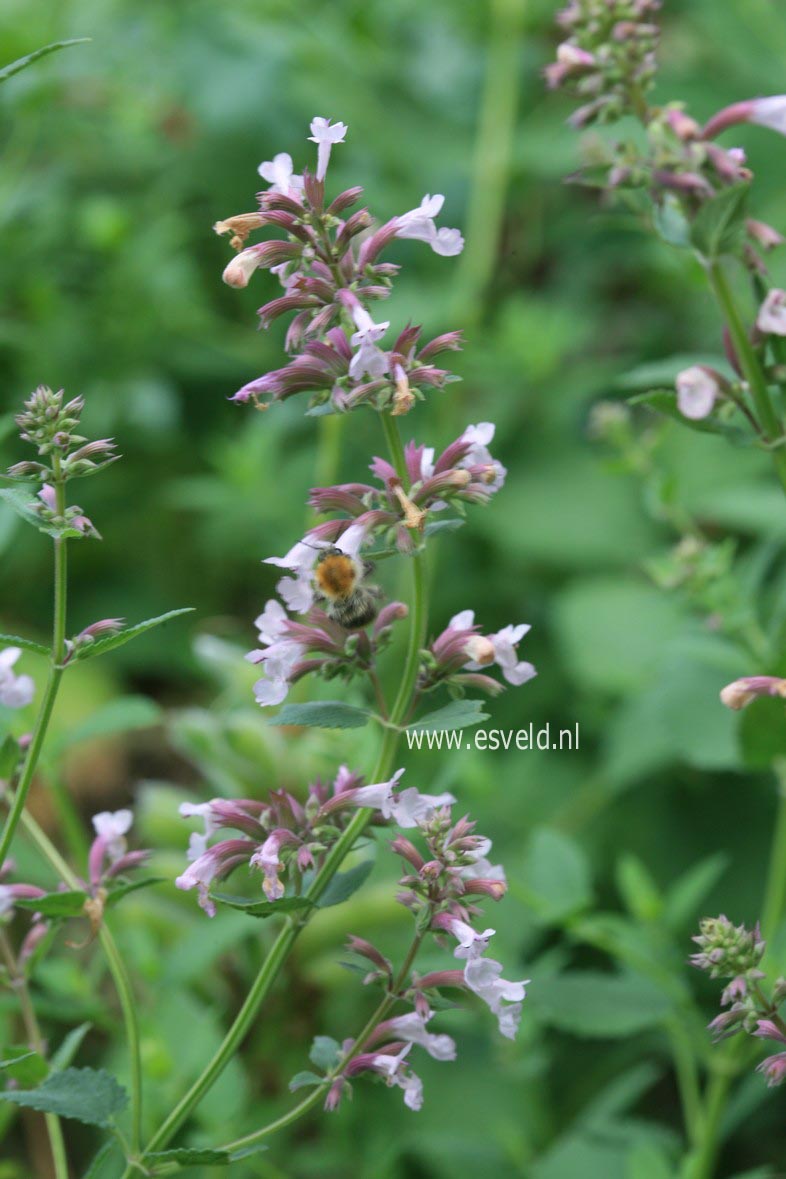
86	1095
323	714
122	890
69	903
325	1052
303	1080
23	1065
22	63
25	644
111	642
70	1046
459	714
719	226
344	884
255	908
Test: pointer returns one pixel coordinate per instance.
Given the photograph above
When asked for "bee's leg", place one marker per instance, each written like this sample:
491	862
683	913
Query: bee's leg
368	567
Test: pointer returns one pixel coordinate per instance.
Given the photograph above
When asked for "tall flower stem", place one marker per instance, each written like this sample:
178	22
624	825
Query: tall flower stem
282	946
117	969
750	364
18	982
731	1057
51	689
380	1013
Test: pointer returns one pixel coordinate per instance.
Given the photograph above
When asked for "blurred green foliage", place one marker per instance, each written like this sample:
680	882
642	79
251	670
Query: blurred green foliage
117	157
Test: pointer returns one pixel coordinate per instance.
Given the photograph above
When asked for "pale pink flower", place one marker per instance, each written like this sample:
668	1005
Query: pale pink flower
697	391
279	174
483	976
419	225
771	318
16	691
412	1027
325	134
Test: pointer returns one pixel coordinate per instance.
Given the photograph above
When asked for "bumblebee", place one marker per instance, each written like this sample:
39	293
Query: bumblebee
340	590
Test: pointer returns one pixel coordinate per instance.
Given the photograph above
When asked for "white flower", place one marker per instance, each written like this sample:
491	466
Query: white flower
482	975
471	944
697	391
279	660
112	826
278	173
418	224
368	358
408	809
6	899
239	270
266	858
769	112
499	648
412	1027
325	134
271	623
772	313
479	454
197	842
394	1070
16	691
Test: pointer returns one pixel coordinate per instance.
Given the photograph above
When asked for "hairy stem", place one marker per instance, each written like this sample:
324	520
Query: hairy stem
381	1011
117	969
750	364
16	976
51	689
287	936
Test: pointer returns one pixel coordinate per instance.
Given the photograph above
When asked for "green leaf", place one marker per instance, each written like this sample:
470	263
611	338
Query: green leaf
23	1065
25	644
590	1004
687	895
557	881
87	1095
111	642
325	1052
255	908
323	714
9	756
762	732
190	1156
451	525
719	226
459	714
96	1169
670	222
303	1080
22	63
69	903
344	884
70	1046
664	401
637	888
122	890
23	504
118	716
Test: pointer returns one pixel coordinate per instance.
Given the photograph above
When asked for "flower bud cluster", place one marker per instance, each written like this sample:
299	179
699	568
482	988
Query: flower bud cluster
328	266
50	424
281	837
608	56
727	950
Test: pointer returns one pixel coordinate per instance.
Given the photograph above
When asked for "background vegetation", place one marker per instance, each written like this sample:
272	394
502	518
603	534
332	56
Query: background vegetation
117	157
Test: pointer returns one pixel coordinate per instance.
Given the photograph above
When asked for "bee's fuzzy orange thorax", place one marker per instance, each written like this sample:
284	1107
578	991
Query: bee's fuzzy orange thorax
336	576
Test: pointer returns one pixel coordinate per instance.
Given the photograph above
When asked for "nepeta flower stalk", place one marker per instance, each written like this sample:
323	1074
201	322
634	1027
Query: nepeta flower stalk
333	622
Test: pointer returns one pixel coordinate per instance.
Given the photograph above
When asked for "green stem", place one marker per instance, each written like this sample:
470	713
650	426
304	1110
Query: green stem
729	1060
51	689
289	932
775	892
117	969
35	1040
749	362
380	1013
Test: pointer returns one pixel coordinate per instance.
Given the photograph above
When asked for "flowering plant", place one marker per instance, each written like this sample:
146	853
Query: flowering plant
298	850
